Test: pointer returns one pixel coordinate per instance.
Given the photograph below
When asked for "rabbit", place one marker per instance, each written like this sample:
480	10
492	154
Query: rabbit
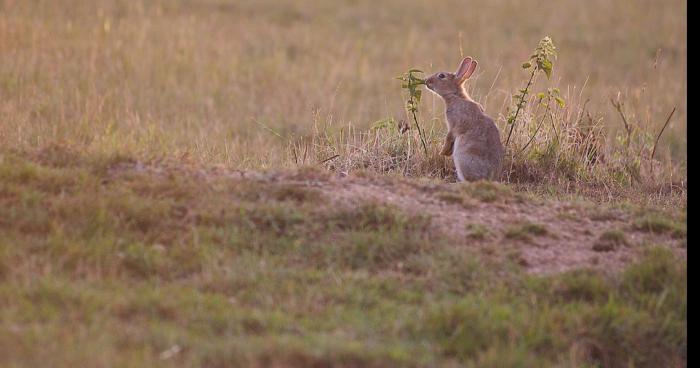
472	139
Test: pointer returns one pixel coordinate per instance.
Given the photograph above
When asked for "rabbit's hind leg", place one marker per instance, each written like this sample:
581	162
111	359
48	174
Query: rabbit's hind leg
469	161
470	168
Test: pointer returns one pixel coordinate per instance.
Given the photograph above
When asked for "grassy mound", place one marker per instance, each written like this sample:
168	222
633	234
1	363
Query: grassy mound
103	263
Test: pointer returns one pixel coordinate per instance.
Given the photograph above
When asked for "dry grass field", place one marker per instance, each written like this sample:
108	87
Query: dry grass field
213	78
222	183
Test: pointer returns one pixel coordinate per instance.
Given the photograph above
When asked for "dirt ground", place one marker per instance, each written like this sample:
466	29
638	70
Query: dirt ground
573	229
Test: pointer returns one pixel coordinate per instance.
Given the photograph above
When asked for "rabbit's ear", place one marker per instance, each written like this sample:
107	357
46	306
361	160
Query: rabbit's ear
462	69
468	70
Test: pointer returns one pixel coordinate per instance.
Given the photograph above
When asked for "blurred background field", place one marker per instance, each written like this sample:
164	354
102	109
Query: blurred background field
237	82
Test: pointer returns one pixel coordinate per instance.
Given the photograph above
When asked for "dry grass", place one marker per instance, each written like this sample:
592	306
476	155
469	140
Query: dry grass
258	84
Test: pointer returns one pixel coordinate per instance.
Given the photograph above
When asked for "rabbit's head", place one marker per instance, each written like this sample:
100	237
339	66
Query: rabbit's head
445	84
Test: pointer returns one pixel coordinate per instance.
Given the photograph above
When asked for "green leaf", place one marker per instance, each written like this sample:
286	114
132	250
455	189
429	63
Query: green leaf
546	66
560	101
526	65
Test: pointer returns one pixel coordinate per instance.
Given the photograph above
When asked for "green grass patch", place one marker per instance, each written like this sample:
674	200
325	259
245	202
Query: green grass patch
489	192
525	231
457	198
610	240
660	224
121	267
478	231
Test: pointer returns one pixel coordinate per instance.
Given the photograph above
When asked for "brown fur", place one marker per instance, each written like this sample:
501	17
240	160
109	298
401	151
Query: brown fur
472	139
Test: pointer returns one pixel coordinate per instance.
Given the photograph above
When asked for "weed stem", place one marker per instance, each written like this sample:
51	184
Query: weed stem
521	104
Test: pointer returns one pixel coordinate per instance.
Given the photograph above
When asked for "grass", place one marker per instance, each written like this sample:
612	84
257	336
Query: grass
128	237
455	198
490	192
525	231
610	240
658	223
297	83
101	264
477	231
468	195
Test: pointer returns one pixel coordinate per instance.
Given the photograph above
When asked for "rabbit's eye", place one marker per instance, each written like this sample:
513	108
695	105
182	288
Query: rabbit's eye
441	75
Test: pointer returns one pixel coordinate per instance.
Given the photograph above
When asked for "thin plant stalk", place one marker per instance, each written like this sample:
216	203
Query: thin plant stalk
420	133
521	104
412	84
